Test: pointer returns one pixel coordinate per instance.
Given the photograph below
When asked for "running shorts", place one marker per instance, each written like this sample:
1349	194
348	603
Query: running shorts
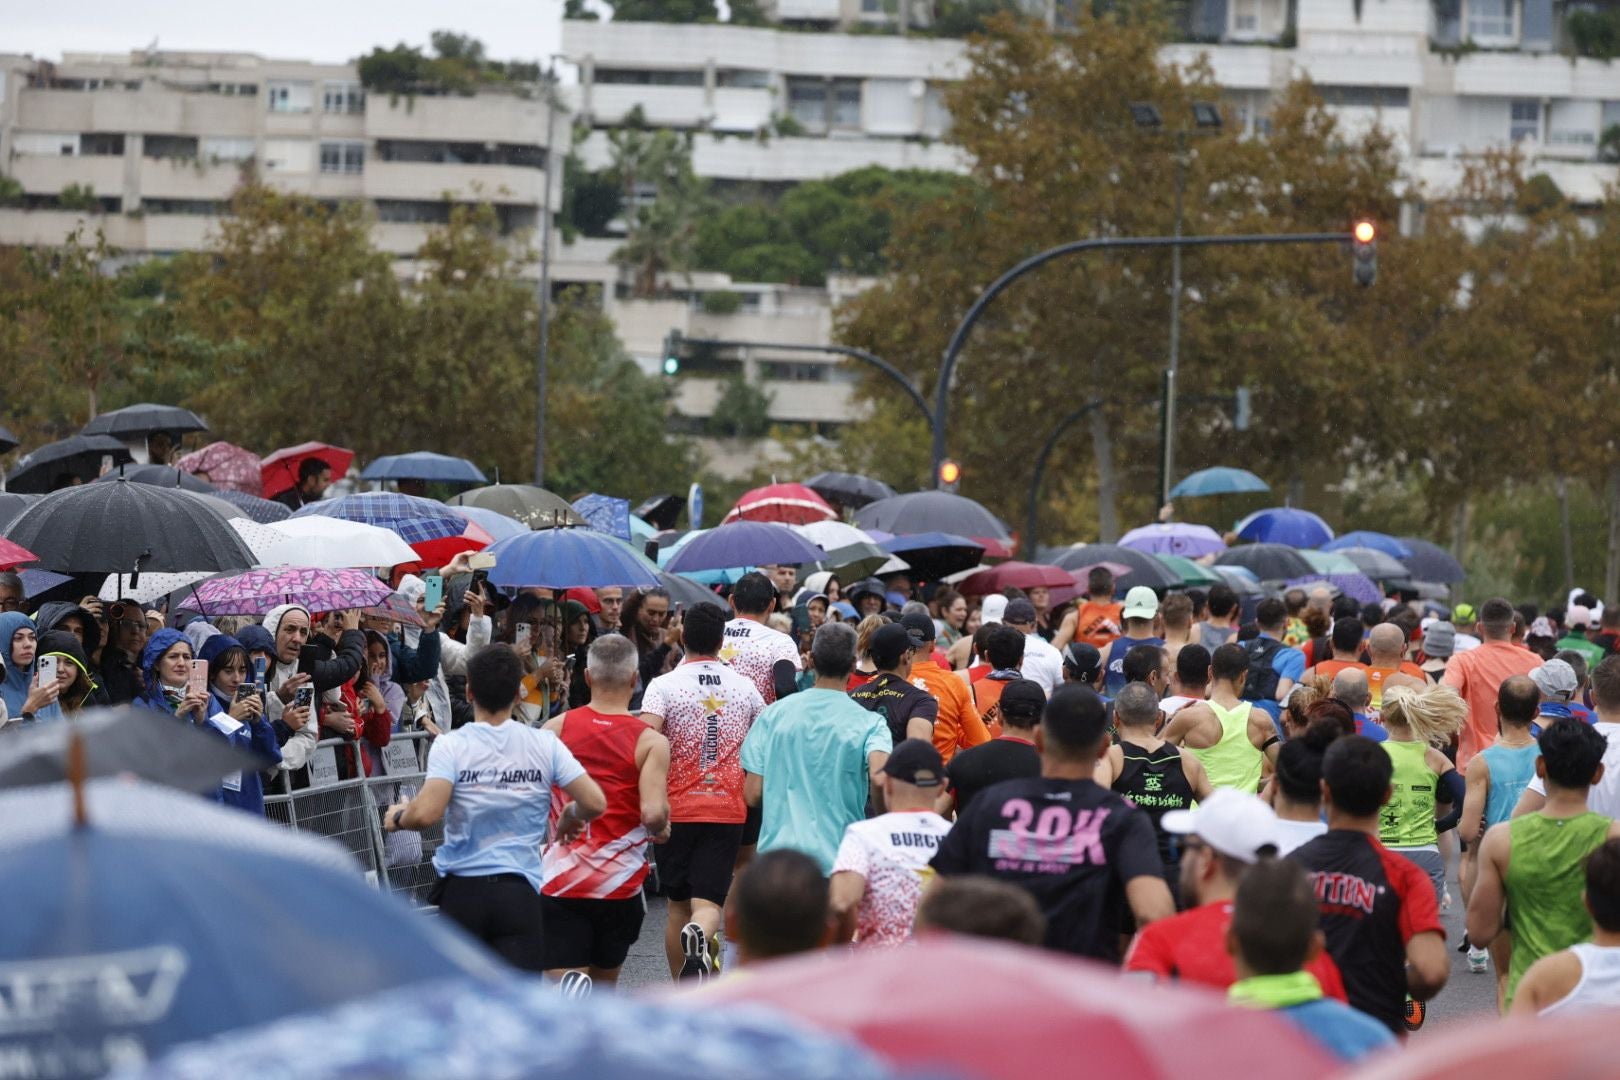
698	860
590	933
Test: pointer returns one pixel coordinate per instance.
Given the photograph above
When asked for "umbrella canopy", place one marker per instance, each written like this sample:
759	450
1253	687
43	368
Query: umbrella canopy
1144	568
168	476
148	588
856	561
80	457
743	543
1328	562
935	555
441	550
226	466
1014	574
660	511
1375	564
139	742
606	514
144	419
254	508
412	519
1047	1005
333	543
683	590
565	558
315	588
1431	562
36	582
1392	546
1357	586
1243	581
499	526
186	905
1193	575
424	465
1269	562
279	471
832	534
122	527
937	511
1221	480
534	506
12	504
1174	538
790	504
8	441
14	555
1285	525
1572	1046
849	489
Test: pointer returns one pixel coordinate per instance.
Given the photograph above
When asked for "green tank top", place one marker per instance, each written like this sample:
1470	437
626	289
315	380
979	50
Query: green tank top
1233	762
1545	875
1408	818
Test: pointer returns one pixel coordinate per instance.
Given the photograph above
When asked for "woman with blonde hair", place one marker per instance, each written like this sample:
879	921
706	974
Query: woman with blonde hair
1419	722
864	671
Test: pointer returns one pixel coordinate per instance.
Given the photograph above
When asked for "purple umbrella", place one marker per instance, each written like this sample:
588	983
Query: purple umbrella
1175	538
1358	587
744	543
257	591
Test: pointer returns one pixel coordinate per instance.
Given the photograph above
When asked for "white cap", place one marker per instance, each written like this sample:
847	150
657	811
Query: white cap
1234	823
1140	603
993	608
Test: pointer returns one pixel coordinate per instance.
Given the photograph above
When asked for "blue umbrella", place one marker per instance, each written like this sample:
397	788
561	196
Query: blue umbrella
166	919
606	514
720	575
1285	525
1429	561
497	524
567	559
415	520
1221	480
424	465
1392	546
743	543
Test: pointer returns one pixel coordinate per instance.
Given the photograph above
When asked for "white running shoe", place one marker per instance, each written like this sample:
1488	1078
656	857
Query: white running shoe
695	948
1479	961
575	985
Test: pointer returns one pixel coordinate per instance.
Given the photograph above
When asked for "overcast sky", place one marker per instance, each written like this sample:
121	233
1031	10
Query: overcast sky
330	31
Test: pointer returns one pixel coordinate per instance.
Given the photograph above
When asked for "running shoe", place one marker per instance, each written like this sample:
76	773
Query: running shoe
1479	961
575	985
695	947
1416	1013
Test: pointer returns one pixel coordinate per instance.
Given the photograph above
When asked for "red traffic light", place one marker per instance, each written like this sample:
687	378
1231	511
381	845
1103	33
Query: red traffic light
1364	232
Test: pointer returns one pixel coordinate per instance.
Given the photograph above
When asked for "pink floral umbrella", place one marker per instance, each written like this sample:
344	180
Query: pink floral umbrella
227	466
257	591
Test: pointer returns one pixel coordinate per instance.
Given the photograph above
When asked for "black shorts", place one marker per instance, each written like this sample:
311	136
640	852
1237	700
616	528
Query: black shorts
501	910
590	933
698	860
751	824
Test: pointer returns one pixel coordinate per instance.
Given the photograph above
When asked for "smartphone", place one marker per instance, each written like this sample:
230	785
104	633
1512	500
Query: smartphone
260	665
197	684
304	697
520	638
308	657
481	560
46	671
433	596
246	691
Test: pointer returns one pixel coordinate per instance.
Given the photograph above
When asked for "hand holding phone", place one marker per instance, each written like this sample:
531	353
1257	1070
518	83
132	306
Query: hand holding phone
521	636
45	673
197	682
433	592
304	697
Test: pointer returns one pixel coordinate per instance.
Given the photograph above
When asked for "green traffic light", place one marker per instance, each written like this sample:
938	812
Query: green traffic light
672	365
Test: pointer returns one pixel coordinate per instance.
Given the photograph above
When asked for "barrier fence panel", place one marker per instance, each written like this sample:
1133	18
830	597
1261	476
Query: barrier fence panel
341	810
405	859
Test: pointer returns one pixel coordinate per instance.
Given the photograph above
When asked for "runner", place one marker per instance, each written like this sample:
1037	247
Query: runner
1012	756
957	725
1534	863
1418	722
1190	681
1297	786
1350	686
1231	739
882	863
1479	673
1584	976
768	658
1604	797
909	711
1042	662
1386	656
1176	613
1096	622
781	908
1345	639
1083	664
1141	605
592	896
1005	651
1221	625
1274	667
705	709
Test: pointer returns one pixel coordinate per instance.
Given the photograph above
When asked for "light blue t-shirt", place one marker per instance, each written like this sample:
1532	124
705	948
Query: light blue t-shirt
1342	1031
1511	769
499	811
812	749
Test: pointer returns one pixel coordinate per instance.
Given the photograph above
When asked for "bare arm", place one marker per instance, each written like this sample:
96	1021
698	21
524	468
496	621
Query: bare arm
1549	981
1530	802
424	811
1182	724
1476	792
920	727
1149	898
844	899
653	761
654	721
1065	631
1427	965
875	760
1284	688
753	788
1263	734
1110	765
1484	919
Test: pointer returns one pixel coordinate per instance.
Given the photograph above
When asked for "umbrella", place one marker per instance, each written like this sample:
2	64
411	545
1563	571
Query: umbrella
683	590
439	551
1078	581
1144	568
254	508
1375	564
144	419
148	588
849	489
80	457
14	555
1221	480
1572	1046
832	535
499	526
1047	1005
279	471
606	514
8	441
167	919
744	543
227	466
123	528
413	519
1175	538
334	543
1431	562
1014	574
534	506
790	504
35	582
1193	575
424	465
565	558
935	555
12	504
937	511
117	741
525	1028
396	608
660	511
311	587
159	476
1285	525
1358	586
1389	545
1269	562
856	561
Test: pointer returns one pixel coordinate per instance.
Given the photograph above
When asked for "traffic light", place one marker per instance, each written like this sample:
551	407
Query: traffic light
950	474
1242	409
672	353
1364	252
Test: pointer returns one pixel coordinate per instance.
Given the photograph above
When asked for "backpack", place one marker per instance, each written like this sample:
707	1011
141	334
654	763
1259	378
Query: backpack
1263	679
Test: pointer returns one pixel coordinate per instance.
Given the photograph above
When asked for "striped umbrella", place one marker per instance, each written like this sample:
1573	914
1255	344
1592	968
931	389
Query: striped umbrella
786	504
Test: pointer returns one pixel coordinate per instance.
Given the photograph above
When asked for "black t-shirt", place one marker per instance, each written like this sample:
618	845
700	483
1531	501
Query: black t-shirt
1154	782
1071	844
975	769
897	701
1373	902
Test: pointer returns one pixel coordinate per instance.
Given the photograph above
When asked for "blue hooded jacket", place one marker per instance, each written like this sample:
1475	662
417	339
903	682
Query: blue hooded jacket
14	689
152	696
257	737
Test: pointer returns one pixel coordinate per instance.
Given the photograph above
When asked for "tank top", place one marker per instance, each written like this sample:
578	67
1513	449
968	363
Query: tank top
1155	781
609	862
1545	876
1233	762
1511	768
1599	987
1407	820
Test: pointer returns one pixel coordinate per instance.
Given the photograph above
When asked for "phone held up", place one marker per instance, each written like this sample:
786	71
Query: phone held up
433	593
46	672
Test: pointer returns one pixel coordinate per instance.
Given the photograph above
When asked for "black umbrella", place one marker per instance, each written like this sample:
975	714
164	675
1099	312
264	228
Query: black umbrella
8	441
1270	562
936	511
849	489
124	740
1429	562
12	504
79	457
264	511
122	528
144	419
160	476
660	511
1375	564
688	592
1145	569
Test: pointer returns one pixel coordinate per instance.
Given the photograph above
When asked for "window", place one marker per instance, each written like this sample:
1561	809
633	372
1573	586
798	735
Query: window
289	97
182	147
343	97
645	77
847	103
744	80
101	144
1246	16
343	157
1524	122
807	102
1489	19
226	149
234	89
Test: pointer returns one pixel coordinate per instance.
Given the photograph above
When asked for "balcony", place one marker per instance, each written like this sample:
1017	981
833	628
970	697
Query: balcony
665	106
150	232
484	118
463	183
177	178
742	109
794	159
49	175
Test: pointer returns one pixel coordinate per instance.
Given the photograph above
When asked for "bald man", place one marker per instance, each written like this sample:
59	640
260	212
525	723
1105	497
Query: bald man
1387	664
1350	687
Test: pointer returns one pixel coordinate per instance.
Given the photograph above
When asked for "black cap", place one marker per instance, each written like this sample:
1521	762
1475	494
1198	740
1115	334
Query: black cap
1023	698
888	644
1082	659
920	626
916	762
1019	611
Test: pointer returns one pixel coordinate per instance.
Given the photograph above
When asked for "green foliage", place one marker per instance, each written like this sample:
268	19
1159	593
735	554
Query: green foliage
786	125
78	197
458	65
661	233
721	302
743	411
963	18
1541	193
748	13
11	191
1608	145
1594	32
666	11
591	200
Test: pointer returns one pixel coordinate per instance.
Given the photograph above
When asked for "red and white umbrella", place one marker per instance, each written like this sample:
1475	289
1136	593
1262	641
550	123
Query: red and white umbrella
14	555
279	471
788	504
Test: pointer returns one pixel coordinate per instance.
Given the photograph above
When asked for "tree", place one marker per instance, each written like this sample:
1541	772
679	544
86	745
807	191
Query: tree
83	317
665	201
743	411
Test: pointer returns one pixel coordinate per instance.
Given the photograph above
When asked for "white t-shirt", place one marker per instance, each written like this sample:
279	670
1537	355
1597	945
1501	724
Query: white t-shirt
1291	834
1172	705
891	853
1604	797
1042	663
707	710
753	649
502	776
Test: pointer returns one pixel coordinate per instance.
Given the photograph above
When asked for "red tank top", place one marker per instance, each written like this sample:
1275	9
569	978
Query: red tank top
609	862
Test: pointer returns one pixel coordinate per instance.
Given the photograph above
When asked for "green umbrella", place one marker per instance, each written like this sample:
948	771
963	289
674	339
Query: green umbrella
1192	574
851	562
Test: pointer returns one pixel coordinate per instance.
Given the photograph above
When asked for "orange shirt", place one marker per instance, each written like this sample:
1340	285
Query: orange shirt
1329	668
1091	619
987	699
1377	675
1477	675
958	726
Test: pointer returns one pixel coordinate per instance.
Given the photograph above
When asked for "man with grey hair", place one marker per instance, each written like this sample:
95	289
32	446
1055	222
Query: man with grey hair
11	592
1387	664
1350	687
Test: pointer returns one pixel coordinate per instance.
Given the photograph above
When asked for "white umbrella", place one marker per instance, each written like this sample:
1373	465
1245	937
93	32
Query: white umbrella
832	535
334	544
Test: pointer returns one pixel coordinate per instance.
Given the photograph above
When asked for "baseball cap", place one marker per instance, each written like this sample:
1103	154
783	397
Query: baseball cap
1019	611
844	609
1023	697
1554	678
1464	615
1082	659
916	762
1140	603
994	608
1234	823
1578	615
1440	639
889	643
919	626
